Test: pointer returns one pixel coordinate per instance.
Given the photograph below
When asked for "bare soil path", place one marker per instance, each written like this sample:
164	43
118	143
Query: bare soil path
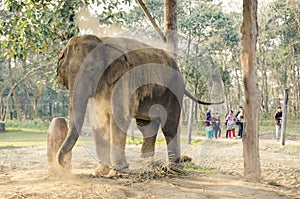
23	174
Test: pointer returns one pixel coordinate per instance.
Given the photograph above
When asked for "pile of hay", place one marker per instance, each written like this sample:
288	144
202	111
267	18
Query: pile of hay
155	168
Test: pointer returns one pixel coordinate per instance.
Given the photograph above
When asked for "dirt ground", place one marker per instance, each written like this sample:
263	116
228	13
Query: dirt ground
23	174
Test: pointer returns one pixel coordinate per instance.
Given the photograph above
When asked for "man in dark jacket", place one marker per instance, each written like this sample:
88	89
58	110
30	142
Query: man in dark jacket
277	119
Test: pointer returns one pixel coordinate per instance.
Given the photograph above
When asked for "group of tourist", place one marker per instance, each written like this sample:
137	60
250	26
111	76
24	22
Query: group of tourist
213	129
212	124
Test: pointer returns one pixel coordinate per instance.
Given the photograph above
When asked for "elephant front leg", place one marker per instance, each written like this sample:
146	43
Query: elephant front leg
117	145
102	142
149	130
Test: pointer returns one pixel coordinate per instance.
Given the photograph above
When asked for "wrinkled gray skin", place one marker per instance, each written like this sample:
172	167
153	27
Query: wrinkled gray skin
93	68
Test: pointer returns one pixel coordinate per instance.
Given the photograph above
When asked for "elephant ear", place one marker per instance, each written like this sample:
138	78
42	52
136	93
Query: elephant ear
118	68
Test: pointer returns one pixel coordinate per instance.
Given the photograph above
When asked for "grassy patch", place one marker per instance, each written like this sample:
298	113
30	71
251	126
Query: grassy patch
135	141
189	166
293	146
268	126
138	141
197	142
22	137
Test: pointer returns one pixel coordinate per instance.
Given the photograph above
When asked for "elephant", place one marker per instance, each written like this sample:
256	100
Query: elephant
123	79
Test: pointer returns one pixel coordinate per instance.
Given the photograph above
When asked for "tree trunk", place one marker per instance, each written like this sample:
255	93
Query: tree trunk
249	28
170	25
50	109
35	108
195	105
17	105
25	105
15	94
6	109
37	95
265	87
190	122
284	117
237	77
64	107
1	104
218	84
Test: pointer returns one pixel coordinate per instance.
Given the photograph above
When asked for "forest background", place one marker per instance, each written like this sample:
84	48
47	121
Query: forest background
32	33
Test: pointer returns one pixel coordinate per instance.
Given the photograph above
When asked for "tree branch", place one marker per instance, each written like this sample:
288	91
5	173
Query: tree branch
26	76
152	21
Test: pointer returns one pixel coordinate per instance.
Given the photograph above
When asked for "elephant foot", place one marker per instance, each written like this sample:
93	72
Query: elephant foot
105	171
118	173
102	170
147	155
176	168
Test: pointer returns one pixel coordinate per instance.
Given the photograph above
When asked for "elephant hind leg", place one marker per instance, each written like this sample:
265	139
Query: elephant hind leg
149	130
170	130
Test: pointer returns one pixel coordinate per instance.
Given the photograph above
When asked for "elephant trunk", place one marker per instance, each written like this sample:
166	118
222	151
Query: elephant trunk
78	99
68	144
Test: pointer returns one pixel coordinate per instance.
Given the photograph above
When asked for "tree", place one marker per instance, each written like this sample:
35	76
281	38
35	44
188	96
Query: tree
32	33
248	59
278	54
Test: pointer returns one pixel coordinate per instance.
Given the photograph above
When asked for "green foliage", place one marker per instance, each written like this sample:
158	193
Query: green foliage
28	125
135	22
111	11
278	53
208	24
212	33
226	77
32	34
27	26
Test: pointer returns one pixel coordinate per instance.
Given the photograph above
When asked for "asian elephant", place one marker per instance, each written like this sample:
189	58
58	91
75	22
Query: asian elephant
124	79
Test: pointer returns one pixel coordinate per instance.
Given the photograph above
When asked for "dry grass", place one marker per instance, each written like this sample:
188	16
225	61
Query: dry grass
155	168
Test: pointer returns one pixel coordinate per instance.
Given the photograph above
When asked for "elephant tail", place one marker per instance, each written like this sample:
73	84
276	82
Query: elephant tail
187	93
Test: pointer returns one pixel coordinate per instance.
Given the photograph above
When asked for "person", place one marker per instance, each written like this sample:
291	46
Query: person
226	121
277	119
208	125
230	124
216	125
240	121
